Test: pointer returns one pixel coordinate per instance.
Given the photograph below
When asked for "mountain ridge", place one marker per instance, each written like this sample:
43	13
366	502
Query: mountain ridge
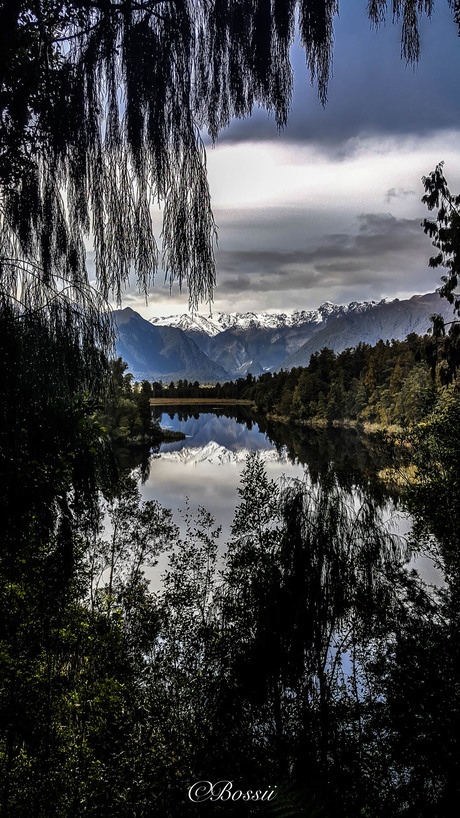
161	353
231	345
212	325
395	319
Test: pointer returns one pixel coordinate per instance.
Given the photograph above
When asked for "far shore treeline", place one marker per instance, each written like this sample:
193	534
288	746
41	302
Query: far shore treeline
390	383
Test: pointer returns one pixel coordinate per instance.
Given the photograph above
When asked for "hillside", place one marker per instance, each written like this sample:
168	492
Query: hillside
232	345
384	321
161	353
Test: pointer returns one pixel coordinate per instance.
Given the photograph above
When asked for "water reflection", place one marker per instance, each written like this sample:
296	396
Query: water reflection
355	458
206	467
225	435
311	653
222	438
299	661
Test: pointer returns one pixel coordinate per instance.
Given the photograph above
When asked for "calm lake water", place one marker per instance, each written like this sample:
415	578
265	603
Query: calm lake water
206	466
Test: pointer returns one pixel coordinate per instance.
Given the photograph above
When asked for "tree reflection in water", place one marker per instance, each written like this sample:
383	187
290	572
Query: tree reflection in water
310	655
313	659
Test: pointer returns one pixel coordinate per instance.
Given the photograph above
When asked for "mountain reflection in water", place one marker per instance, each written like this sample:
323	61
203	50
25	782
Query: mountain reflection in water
207	465
354	457
205	468
232	432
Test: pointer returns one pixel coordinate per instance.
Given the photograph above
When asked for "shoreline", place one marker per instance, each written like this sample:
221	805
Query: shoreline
198	401
365	427
345	423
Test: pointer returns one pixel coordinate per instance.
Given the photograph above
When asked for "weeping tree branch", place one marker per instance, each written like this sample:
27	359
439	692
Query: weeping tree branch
102	108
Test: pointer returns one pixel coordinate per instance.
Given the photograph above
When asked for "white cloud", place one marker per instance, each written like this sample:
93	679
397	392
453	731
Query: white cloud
278	197
267	174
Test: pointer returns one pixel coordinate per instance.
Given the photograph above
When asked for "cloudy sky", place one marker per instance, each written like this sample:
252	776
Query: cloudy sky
330	209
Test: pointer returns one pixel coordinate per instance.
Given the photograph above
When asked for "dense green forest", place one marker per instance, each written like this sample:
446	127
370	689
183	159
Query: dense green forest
312	662
390	383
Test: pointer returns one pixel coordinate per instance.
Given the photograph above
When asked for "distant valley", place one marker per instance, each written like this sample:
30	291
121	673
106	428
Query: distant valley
226	346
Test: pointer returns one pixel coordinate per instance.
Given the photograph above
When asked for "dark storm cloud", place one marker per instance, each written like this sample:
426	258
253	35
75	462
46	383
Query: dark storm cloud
381	234
257	260
339	266
384	245
254	283
372	91
237	284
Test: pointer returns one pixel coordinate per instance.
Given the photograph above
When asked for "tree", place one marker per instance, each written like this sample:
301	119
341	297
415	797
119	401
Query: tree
445	232
102	108
312	583
143	405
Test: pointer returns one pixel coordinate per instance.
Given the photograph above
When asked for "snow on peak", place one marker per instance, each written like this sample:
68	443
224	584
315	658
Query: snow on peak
189	322
219	455
219	322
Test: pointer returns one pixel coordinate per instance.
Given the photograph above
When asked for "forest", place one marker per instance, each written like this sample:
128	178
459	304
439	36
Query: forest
389	384
312	661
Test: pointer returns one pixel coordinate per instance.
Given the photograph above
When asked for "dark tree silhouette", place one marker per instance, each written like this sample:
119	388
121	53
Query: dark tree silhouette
444	347
102	107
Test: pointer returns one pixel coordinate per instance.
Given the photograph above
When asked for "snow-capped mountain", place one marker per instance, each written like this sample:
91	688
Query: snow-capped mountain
190	322
218	322
369	323
161	352
231	345
219	455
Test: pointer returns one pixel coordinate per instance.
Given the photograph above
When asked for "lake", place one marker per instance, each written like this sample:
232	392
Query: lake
206	466
309	616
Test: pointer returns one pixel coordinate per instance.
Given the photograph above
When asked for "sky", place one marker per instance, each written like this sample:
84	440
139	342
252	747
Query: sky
330	210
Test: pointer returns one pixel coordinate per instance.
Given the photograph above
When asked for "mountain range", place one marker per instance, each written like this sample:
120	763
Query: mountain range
219	455
225	346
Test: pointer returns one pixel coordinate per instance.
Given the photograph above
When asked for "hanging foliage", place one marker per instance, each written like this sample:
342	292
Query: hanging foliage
103	104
